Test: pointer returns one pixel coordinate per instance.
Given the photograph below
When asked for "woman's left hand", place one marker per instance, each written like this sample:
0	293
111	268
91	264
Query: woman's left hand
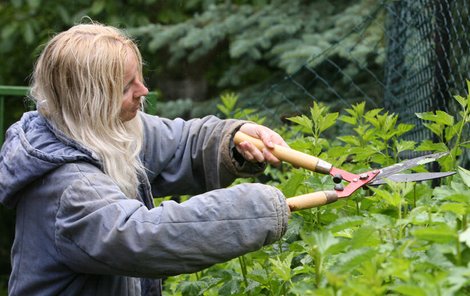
269	138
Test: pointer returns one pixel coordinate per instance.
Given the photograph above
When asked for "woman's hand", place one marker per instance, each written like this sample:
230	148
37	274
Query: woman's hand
269	138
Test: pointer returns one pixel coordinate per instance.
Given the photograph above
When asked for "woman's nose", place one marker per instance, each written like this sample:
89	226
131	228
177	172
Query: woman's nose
142	90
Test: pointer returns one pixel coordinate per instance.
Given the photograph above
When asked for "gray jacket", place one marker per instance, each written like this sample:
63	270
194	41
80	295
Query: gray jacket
78	234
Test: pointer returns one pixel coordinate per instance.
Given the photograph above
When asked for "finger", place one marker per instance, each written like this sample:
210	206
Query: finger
271	138
266	138
248	156
269	157
250	152
255	153
282	142
278	140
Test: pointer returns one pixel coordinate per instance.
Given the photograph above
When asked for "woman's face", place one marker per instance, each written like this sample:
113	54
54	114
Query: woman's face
133	89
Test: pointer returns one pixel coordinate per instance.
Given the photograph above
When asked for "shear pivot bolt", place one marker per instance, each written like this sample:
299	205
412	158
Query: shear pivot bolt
339	187
363	176
337	178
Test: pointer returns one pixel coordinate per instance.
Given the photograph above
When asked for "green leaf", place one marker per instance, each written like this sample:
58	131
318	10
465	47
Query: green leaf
465	174
464	237
368	134
441	233
347	262
428	145
389	123
192	287
464	102
456	208
328	121
374	121
366	236
451	195
440	117
259	274
359	109
97	7
28	33
398	267
321	241
229	100
404	128
224	110
405	145
282	267
352	140
345	222
348	119
444	118
34	3
451	131
409	290
304	122
435	128
230	287
373	113
393	199
293	183
8	30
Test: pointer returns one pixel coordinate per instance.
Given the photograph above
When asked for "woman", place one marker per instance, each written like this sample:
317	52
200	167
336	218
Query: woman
83	169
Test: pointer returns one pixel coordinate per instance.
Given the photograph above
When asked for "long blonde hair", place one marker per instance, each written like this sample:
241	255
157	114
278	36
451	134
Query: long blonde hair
78	84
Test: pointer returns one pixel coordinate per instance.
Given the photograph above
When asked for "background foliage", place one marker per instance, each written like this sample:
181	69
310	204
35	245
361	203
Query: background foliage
398	239
196	50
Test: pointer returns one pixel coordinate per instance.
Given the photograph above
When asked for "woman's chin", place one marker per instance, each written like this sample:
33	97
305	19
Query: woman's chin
129	115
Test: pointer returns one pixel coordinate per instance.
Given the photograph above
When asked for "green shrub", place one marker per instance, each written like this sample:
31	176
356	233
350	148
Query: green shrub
400	239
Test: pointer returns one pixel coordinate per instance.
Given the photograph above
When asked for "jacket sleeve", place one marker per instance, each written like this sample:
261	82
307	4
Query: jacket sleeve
99	230
191	157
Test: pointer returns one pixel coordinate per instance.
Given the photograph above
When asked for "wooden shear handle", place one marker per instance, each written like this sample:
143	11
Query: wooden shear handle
311	200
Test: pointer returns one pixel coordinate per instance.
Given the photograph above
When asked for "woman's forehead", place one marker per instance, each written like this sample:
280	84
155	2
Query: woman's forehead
130	66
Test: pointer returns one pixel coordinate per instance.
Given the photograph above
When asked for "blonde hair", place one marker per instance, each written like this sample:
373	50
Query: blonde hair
78	84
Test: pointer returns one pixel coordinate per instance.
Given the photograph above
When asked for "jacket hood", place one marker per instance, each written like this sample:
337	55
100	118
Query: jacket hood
32	148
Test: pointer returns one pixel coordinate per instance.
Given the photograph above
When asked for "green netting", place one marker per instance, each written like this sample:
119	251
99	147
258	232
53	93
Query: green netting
428	57
417	59
351	70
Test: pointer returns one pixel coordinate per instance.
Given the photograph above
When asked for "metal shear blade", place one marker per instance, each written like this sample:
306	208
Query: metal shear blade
415	177
392	172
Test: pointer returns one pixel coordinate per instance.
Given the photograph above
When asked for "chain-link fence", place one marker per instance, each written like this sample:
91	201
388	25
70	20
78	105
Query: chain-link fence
417	61
349	71
428	57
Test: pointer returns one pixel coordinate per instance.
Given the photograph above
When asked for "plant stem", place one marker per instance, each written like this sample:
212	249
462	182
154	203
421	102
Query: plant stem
400	209
241	259
459	252
400	230
318	268
465	118
282	289
318	216
279	243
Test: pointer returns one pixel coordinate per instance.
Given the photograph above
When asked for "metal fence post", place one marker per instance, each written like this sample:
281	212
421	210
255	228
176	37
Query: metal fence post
7	90
2	119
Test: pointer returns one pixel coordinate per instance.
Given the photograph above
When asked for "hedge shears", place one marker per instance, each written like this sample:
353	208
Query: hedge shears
355	181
